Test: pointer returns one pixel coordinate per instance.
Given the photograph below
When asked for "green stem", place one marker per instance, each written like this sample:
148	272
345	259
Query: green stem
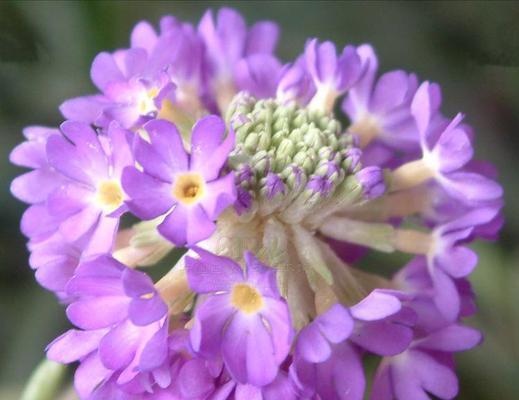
45	382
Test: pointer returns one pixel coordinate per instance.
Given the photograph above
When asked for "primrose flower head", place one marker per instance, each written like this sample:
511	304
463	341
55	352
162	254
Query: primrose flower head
270	197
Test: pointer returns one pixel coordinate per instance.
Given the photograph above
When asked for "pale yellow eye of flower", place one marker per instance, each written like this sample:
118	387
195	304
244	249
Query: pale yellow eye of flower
110	195
246	298
146	103
188	188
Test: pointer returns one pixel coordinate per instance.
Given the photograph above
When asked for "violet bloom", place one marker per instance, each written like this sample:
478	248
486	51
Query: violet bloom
90	201
55	261
332	75
185	188
426	368
146	80
127	334
34	187
237	57
380	110
291	183
447	259
182	376
242	317
446	150
327	364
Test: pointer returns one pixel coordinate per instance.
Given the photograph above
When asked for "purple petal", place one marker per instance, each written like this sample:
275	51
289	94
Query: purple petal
79	224
96	313
277	317
145	311
390	91
210	319
88	148
55	275
34	187
84	109
446	296
358	99
30	154
430	375
89	375
247	351
151	161
312	345
451	339
209	149
64	156
74	345
471	187
221	193
211	273
386	338
258	74
187	225
136	283
335	324
94	286
149	197
262	38
105	71
118	347
167	143
453	149
194	380
144	36
36	222
375	306
156	350
424	105
458	261
102	238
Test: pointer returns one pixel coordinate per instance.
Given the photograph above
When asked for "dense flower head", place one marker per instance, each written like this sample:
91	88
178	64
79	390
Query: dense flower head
246	166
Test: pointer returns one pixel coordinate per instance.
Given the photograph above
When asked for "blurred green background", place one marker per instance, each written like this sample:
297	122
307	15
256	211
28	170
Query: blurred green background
471	48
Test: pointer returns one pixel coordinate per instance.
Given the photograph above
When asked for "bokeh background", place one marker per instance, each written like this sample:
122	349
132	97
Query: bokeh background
471	48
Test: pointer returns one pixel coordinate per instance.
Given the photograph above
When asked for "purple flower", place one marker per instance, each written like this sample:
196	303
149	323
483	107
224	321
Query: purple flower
426	367
185	188
33	187
447	152
258	74
144	80
242	317
55	261
400	178
295	83
328	365
123	322
91	199
332	75
238	58
380	112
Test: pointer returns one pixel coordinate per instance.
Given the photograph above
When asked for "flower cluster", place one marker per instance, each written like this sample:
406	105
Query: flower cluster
221	150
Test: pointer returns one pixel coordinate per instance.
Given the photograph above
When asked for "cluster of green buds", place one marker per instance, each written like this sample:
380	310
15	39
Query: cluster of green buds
289	159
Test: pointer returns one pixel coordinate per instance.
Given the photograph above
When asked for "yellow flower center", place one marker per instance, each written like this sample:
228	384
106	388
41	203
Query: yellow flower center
188	188
110	195
246	298
146	103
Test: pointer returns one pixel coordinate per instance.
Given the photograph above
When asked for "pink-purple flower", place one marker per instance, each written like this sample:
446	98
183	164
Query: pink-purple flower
244	180
184	188
242	317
